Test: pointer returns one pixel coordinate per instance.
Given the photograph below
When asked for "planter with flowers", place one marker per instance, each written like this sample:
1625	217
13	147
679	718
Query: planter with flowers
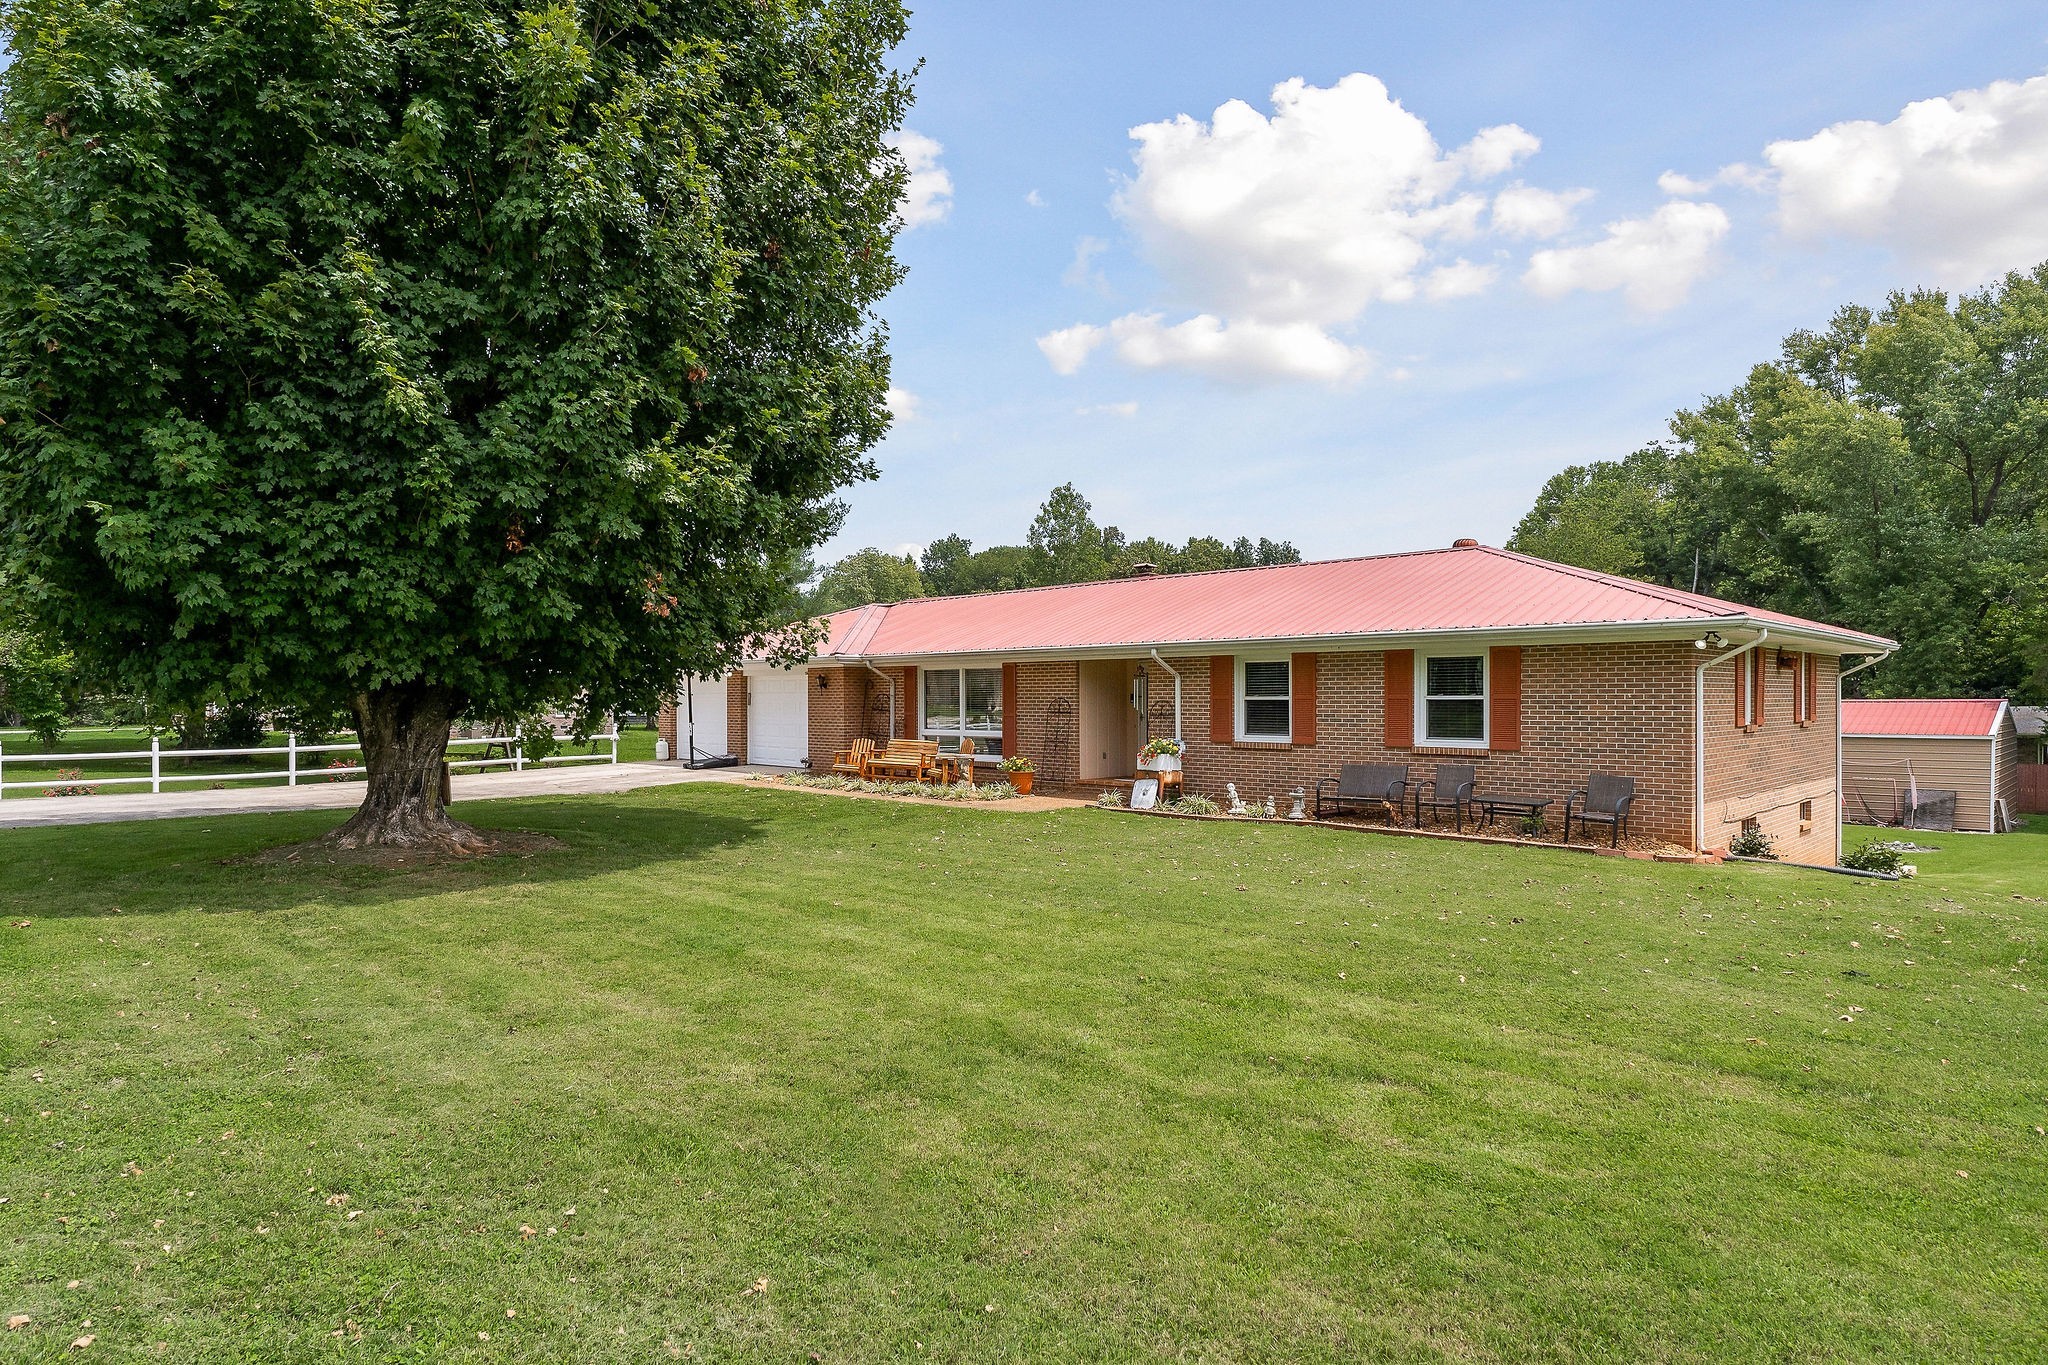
1160	756
1020	770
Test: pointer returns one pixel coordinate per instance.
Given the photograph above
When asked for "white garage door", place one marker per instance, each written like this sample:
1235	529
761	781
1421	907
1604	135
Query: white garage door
702	701
778	718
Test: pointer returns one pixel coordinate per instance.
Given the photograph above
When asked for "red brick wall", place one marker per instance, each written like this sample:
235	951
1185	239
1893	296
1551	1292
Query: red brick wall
839	711
665	725
1624	708
1765	772
736	714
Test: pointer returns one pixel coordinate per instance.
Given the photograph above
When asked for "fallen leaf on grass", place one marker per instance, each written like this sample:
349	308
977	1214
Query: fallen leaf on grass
526	1230
82	1342
20	924
18	1321
760	1287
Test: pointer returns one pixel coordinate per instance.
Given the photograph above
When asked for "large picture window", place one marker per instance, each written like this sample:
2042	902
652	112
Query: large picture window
963	703
1454	700
1265	709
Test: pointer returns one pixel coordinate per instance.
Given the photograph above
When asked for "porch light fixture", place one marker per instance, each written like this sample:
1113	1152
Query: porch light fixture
1711	640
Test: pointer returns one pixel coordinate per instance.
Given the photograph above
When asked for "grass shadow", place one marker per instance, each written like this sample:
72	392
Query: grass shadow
210	863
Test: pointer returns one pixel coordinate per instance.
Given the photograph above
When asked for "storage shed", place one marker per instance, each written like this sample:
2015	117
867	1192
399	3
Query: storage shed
1899	757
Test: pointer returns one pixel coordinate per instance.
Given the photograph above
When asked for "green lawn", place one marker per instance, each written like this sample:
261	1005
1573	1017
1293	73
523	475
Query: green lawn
962	1084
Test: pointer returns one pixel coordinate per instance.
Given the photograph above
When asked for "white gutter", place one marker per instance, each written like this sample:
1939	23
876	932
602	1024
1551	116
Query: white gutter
1840	798
1699	742
892	691
1178	737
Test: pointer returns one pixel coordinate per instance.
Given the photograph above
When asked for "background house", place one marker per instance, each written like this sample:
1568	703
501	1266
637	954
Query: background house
1894	752
1536	673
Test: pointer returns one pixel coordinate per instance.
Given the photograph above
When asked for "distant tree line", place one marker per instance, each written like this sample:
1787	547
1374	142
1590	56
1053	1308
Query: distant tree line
1064	545
1889	473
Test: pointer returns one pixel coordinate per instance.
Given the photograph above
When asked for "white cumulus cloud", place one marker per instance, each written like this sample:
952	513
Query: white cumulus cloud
1958	186
928	196
902	403
1527	211
1653	261
1281	229
1108	410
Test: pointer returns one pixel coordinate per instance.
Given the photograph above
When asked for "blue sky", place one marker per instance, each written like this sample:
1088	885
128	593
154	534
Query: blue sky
1321	320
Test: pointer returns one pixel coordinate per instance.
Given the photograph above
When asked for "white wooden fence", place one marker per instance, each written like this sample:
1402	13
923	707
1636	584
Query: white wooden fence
514	758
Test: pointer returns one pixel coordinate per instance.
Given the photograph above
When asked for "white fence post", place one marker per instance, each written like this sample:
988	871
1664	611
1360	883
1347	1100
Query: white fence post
3	770
291	758
156	766
519	755
615	743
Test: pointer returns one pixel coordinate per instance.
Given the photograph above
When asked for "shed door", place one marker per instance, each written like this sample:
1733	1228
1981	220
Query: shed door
700	707
778	718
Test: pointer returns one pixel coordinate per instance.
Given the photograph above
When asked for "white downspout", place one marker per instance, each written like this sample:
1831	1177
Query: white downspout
1178	738
1699	740
1840	796
892	693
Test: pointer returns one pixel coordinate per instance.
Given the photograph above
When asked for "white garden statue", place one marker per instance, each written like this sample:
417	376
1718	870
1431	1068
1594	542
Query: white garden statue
1237	805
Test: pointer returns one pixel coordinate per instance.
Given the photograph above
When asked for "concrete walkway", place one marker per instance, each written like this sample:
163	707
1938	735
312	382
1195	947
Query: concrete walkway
569	779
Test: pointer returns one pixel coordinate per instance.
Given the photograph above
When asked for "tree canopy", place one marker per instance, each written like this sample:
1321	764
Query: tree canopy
1064	545
1889	473
439	357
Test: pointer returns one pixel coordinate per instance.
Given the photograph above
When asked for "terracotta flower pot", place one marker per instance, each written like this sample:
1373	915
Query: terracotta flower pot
1022	782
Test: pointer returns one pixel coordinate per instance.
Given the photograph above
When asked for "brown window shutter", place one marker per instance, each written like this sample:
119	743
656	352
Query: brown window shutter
1812	687
1301	721
1741	693
1400	697
906	723
1222	699
1759	674
1504	698
1010	717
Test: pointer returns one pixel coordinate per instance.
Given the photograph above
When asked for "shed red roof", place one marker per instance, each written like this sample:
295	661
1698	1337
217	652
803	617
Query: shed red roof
1953	718
1465	588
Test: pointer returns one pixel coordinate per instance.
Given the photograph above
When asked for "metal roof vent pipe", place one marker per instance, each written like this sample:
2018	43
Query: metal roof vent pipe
1141	571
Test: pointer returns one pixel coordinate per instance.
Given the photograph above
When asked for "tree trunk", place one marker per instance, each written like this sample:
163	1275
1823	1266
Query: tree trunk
404	734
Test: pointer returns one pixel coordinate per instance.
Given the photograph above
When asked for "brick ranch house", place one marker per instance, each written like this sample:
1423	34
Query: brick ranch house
1538	673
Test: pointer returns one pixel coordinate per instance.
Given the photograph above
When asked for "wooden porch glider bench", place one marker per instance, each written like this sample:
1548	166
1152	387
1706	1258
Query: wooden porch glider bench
908	760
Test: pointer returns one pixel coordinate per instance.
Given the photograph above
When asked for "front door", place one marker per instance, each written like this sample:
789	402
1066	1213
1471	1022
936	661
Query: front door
1108	729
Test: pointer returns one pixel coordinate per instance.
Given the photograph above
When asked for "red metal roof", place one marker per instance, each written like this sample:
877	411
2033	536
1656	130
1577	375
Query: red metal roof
1950	718
1465	588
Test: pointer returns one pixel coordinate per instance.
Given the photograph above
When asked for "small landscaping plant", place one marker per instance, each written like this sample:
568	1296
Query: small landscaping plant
1752	842
71	783
1161	748
1017	763
1110	800
1192	805
1872	858
931	791
1533	826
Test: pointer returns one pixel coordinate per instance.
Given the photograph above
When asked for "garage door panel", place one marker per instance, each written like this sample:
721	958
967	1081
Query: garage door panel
778	718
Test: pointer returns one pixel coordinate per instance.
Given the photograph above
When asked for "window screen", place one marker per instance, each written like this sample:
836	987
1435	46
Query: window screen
1454	698
1267	704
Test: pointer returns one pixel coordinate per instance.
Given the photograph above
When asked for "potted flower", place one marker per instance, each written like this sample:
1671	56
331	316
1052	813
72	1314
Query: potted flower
1019	770
1160	756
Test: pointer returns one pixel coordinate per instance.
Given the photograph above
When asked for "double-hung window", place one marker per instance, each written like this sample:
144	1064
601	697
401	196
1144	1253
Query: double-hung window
963	703
1265	708
1453	697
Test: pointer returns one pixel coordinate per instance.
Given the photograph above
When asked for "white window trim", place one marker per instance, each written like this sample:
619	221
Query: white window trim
981	738
1238	705
1423	738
